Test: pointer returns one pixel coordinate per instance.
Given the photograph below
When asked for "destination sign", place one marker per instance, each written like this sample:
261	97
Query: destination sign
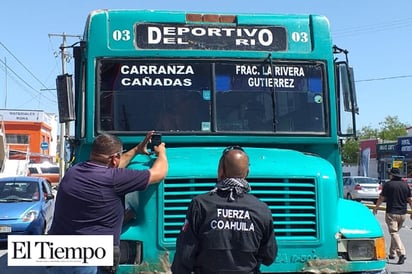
211	37
138	74
287	77
151	75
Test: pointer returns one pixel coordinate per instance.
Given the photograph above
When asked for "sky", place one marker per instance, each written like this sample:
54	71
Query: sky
377	34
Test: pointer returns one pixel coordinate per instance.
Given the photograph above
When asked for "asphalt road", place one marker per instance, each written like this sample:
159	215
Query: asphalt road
392	267
4	269
406	236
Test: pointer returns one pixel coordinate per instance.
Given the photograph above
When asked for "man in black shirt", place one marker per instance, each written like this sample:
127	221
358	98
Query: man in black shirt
397	195
226	230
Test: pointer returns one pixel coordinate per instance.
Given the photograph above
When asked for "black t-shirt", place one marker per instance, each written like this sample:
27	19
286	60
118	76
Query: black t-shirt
396	195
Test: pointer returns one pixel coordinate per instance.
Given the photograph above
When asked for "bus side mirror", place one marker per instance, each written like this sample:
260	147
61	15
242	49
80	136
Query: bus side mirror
347	85
64	84
347	102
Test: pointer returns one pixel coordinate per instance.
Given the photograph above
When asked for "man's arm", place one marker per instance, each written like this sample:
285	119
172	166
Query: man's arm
378	203
268	249
187	243
160	167
140	148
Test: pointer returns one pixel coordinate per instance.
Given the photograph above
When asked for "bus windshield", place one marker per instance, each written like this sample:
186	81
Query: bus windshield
203	96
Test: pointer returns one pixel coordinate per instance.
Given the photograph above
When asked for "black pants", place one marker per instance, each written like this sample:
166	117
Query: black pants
116	260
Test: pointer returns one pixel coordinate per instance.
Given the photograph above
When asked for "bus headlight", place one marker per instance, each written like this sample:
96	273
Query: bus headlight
361	250
366	249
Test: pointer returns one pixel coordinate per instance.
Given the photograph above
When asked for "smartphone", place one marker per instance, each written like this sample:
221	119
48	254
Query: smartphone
156	140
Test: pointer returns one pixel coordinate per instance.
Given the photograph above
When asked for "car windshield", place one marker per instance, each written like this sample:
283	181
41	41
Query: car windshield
19	191
366	180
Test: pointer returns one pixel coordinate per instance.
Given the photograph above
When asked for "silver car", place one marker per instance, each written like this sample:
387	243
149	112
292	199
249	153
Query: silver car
361	188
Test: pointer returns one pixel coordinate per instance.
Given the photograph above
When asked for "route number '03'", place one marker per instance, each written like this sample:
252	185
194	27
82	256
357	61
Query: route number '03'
300	37
121	35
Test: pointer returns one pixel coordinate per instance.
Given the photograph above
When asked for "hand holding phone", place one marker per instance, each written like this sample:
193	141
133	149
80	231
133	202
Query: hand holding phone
155	140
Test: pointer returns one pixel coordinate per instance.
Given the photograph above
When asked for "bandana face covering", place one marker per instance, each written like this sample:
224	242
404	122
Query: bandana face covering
236	187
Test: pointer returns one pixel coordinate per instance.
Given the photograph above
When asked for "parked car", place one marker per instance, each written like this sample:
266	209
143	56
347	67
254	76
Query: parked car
46	170
26	206
361	188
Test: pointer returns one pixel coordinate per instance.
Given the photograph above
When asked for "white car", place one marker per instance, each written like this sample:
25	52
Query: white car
361	188
45	170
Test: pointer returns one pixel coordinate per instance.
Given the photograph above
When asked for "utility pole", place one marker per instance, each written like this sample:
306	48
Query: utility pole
64	127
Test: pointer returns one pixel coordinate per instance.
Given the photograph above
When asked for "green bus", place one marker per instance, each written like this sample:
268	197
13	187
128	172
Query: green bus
273	84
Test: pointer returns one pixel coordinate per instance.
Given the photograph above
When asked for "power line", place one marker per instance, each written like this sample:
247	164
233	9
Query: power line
378	27
385	78
22	65
19	80
25	82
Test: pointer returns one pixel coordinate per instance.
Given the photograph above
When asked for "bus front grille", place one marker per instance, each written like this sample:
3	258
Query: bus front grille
291	201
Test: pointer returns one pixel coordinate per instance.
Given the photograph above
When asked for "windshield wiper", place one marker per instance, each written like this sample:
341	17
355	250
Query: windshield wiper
125	118
12	200
26	199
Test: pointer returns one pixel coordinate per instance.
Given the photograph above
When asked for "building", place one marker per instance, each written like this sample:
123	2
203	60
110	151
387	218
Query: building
377	157
367	161
30	131
385	152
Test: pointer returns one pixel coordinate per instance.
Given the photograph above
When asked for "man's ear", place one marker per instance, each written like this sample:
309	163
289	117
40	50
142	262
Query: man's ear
247	173
220	173
113	162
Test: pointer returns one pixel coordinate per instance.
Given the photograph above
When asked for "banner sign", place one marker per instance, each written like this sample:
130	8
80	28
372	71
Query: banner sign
60	250
210	37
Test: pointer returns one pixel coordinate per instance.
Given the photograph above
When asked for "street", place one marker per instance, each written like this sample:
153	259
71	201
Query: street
392	267
4	269
406	236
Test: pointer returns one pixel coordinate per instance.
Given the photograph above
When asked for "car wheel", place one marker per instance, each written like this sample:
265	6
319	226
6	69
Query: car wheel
349	197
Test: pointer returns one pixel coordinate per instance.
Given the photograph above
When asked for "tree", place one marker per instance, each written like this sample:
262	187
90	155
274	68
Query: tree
367	132
350	151
389	130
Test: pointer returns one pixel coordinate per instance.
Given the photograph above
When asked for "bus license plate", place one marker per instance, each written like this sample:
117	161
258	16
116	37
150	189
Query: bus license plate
5	229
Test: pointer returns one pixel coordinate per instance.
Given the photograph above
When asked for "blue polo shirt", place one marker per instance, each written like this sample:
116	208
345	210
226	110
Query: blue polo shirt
90	199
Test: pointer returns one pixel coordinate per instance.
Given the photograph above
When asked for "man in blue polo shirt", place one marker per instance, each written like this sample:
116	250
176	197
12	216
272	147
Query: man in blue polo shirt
90	198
